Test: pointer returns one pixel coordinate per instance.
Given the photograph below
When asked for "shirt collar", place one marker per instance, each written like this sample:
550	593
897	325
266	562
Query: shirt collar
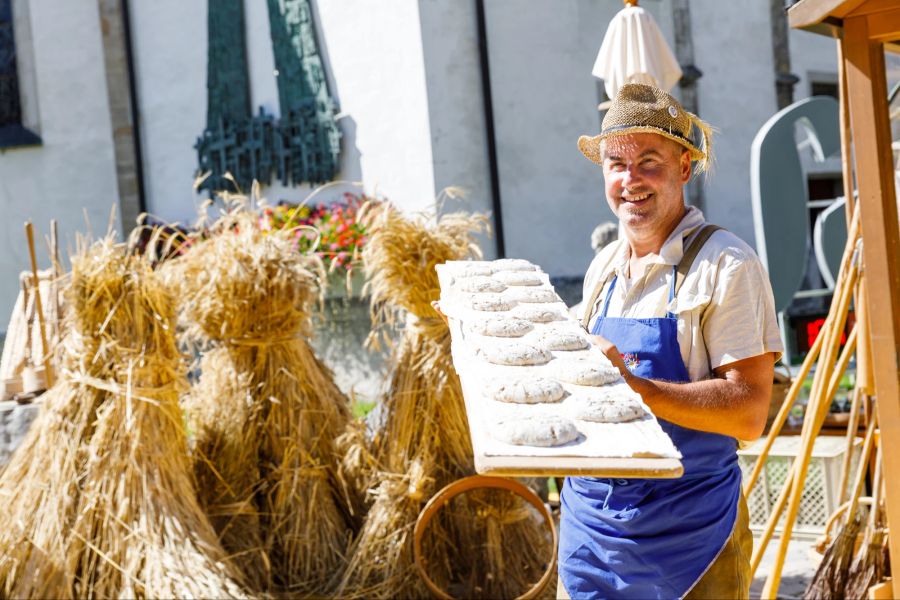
672	249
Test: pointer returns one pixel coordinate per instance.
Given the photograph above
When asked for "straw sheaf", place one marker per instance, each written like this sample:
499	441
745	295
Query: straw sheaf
99	501
424	441
265	411
640	108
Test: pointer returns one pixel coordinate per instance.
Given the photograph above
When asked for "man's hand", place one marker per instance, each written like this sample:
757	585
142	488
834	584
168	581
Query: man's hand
437	308
612	353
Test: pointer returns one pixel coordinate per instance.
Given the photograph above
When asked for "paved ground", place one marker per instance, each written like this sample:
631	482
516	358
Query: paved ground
798	569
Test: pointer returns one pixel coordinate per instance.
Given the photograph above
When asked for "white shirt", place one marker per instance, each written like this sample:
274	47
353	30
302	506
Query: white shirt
725	307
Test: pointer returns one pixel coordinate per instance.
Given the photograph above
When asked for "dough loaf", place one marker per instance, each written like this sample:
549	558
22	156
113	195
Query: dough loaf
479	283
545	430
531	294
585	372
518	277
527	390
512	264
515	353
537	314
561	339
489	302
607	408
501	327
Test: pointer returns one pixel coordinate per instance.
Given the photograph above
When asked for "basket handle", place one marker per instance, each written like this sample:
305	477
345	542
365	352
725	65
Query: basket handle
464	485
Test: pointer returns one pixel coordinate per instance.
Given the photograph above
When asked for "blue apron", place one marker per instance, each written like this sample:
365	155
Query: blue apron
649	538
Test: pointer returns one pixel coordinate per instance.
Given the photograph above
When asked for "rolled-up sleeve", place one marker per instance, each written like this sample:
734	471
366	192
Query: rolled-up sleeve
740	321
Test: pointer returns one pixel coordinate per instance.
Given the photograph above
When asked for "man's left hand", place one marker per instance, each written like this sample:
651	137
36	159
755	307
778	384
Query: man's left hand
612	353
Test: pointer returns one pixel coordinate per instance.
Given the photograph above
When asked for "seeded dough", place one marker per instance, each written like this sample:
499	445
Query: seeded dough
528	390
513	264
531	294
561	339
584	372
537	314
515	353
501	327
479	284
518	277
491	302
607	408
545	430
473	270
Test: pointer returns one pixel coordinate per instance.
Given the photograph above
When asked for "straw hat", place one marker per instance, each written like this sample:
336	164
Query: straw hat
641	108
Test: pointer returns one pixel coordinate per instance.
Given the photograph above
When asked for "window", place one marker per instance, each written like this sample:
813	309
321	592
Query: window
12	132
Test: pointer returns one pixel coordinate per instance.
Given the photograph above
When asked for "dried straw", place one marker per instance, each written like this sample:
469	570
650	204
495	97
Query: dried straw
424	443
265	412
99	501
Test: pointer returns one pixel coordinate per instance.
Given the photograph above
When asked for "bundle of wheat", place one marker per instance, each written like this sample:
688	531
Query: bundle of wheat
423	442
265	411
100	501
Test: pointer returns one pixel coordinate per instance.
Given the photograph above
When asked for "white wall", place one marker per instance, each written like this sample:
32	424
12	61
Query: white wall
73	172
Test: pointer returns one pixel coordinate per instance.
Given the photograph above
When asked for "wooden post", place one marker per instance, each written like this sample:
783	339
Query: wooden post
867	87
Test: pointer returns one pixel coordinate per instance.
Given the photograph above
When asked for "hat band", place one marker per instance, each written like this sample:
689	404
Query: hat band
616	128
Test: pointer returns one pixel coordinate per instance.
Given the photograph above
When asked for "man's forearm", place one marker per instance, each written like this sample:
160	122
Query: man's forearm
716	405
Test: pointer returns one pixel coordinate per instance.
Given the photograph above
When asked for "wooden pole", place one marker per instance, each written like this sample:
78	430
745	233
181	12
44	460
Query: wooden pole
45	348
867	93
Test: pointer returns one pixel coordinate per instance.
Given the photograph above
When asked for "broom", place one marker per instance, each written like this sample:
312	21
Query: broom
265	412
868	566
424	442
99	501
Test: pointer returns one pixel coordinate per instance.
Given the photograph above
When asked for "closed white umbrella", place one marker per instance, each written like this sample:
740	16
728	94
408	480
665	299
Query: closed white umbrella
635	51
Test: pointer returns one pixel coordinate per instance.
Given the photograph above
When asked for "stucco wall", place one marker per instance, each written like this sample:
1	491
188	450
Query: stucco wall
73	172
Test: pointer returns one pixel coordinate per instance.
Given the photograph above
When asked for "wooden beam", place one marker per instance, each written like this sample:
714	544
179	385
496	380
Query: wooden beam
807	13
867	87
884	26
870	7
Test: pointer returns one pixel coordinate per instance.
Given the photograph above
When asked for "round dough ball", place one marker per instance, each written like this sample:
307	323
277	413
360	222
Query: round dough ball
473	270
479	283
545	431
518	277
531	294
562	339
537	314
501	327
585	372
513	264
515	353
608	408
528	390
489	302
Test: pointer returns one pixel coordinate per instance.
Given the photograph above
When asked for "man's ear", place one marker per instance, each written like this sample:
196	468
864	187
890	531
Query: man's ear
685	165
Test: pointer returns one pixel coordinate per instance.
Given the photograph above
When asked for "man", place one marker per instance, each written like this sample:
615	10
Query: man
685	310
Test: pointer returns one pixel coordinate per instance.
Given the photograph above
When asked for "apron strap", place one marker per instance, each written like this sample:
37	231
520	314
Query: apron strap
693	249
589	307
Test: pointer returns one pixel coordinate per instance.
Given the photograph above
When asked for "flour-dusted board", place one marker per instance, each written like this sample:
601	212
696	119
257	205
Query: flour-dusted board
636	448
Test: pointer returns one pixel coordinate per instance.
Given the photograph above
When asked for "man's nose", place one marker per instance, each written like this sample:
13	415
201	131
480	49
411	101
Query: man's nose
630	176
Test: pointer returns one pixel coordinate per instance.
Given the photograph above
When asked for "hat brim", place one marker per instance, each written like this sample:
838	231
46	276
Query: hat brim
590	145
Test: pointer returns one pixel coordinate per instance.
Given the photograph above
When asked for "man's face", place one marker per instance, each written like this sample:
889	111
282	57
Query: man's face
644	175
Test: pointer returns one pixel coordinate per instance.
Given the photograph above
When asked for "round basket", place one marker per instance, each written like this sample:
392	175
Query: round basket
466	484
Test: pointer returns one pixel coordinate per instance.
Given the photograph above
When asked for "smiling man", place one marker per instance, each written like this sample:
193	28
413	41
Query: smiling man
685	310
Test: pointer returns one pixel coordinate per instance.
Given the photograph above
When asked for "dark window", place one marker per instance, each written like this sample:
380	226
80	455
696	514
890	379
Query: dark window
825	88
12	133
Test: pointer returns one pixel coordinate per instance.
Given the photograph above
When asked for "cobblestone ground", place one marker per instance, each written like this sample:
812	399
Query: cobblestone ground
798	569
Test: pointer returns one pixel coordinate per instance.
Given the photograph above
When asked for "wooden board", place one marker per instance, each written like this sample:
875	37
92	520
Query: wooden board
636	449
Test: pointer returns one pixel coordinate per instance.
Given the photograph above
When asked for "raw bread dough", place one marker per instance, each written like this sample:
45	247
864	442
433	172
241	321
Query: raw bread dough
527	390
473	270
501	327
561	339
479	283
518	277
513	264
537	314
531	294
605	408
515	353
584	372
544	430
491	302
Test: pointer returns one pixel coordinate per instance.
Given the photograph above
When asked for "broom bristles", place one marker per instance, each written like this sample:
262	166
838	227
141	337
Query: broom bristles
830	578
